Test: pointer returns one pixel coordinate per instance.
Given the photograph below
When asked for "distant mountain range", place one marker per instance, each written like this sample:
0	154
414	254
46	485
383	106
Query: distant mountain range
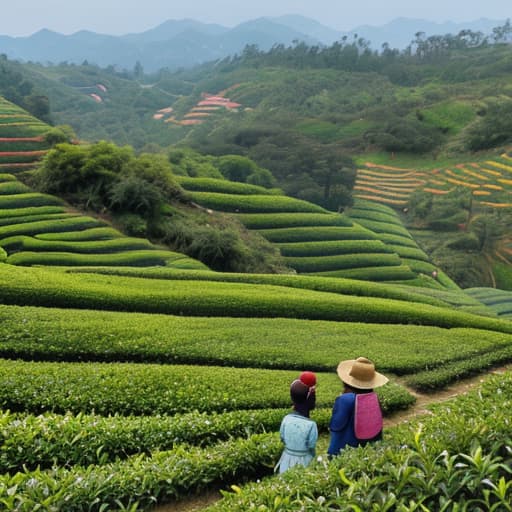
185	43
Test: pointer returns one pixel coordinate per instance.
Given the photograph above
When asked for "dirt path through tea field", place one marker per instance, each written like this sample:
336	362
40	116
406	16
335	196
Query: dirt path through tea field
196	503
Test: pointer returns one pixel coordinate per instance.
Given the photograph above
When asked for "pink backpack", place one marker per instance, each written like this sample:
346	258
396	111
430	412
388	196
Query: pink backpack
367	416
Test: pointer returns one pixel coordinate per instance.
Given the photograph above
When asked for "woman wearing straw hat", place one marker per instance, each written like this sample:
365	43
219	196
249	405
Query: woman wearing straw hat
298	432
356	416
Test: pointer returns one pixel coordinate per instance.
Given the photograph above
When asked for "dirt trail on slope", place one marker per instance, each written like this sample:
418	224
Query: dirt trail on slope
196	503
424	399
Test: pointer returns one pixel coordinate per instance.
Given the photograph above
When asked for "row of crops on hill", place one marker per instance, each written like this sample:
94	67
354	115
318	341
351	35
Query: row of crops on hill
490	182
388	227
209	298
500	301
38	229
311	239
22	141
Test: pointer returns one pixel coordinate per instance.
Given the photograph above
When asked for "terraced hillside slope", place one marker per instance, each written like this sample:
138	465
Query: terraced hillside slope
145	385
499	301
39	229
490	182
312	240
388	227
22	138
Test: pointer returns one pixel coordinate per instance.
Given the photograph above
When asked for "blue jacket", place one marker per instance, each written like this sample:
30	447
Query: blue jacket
342	423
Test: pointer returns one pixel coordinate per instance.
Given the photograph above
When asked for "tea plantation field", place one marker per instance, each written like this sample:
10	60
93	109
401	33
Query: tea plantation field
133	376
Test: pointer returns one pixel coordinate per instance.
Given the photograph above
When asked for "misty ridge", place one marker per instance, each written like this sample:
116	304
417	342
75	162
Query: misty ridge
185	43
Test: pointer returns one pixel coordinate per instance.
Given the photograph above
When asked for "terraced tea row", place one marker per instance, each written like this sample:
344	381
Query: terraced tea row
22	141
292	344
388	227
490	182
305	233
26	218
205	298
30	441
143	389
500	301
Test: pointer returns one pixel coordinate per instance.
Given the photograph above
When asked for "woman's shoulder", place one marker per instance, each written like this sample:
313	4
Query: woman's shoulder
346	398
293	416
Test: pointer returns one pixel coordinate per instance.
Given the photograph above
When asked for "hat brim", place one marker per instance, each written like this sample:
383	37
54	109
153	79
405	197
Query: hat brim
344	374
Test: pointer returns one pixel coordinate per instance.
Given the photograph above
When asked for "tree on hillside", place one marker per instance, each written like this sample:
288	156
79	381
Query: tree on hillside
494	128
235	167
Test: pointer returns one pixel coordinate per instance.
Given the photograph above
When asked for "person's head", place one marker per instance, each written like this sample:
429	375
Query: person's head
360	375
303	396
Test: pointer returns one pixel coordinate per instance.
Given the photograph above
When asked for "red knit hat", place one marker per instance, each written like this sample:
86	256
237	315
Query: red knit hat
308	378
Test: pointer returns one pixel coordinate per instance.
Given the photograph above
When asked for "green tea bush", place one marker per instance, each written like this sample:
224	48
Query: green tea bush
23	145
425	267
13	187
142	389
5	177
47	440
70	223
223	186
289	220
205	298
133	337
340	262
312	234
309	282
12	213
385	227
253	203
332	247
28	199
27	243
140	258
410	253
376	273
101	233
29	219
20	158
400	240
438	378
140	481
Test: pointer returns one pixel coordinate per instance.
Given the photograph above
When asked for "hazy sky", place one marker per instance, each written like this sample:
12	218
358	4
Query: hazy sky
24	17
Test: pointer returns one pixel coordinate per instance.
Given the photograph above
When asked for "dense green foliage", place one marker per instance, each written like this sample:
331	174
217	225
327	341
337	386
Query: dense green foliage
143	196
171	389
111	336
15	87
205	298
29	441
456	459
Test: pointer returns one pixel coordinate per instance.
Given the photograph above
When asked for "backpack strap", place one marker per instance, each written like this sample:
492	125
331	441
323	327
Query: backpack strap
367	417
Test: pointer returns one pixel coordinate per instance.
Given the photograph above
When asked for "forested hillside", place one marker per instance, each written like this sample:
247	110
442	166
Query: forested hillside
325	125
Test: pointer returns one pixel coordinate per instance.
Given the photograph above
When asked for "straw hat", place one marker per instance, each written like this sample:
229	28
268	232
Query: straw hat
360	373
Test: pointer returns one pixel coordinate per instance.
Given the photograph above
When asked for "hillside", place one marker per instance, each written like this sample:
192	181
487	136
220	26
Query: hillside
133	376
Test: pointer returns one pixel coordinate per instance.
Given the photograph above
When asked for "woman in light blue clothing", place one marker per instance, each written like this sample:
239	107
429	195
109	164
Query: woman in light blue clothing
298	432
